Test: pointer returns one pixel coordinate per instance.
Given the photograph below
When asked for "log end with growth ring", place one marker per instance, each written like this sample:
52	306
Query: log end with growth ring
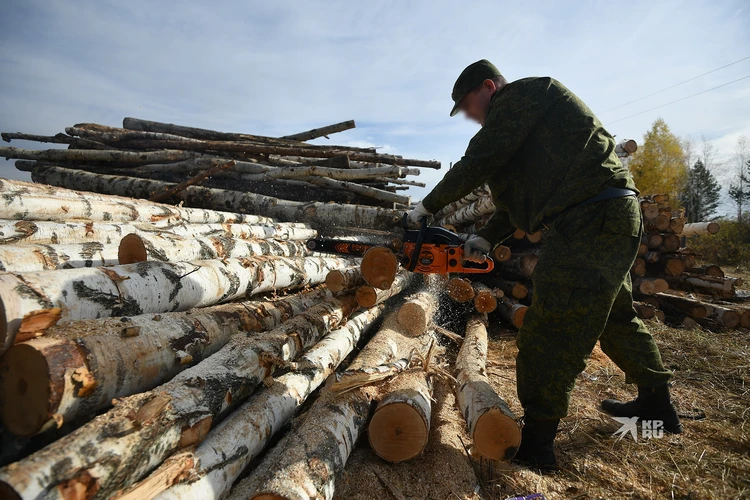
496	435
25	389
379	267
485	301
131	250
413	317
335	281
398	432
460	290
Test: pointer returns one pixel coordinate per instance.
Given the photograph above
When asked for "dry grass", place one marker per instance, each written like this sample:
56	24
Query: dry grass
711	459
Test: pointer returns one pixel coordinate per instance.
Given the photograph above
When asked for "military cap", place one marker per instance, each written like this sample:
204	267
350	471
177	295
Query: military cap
470	78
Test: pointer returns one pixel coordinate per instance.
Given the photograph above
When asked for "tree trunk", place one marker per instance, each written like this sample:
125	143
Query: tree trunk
710	270
368	296
339	280
697	228
115	156
469	213
384	174
77	368
210	470
360	189
315	213
485	298
690	306
467	200
729	318
134	248
192	132
705	282
309	135
326	434
416	313
162	213
31	258
379	267
511	311
121	446
492	425
149	287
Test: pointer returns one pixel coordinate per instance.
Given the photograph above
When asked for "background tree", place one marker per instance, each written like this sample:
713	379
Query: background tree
701	193
739	190
659	164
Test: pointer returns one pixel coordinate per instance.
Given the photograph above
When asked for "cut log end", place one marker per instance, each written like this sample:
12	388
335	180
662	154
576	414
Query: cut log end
485	301
413	317
131	250
496	435
398	432
460	290
367	296
379	267
25	385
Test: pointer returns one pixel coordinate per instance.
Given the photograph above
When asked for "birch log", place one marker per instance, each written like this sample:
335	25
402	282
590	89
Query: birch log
91	155
698	228
492	425
511	288
416	313
485	298
134	248
379	267
469	213
460	290
511	311
321	132
148	287
78	232
326	434
209	471
340	280
368	296
79	367
470	198
30	258
317	214
121	446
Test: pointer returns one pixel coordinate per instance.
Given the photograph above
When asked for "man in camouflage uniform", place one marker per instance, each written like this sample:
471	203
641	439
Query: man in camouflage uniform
551	165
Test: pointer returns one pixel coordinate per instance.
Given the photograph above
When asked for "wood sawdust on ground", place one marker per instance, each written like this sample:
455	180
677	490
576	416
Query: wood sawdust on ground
711	459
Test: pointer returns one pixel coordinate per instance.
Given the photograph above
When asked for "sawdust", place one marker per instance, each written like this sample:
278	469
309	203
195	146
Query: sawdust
710	460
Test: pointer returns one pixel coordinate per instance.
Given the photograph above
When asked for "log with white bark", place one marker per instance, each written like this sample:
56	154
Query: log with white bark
693	307
326	434
140	248
116	156
342	174
190	132
710	270
321	132
368	296
29	258
689	281
162	212
75	232
467	200
492	425
725	316
698	228
415	315
511	311
360	189
121	446
147	287
469	213
339	280
209	471
317	214
77	368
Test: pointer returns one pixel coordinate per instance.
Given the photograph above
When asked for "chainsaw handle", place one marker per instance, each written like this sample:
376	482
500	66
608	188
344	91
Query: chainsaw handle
418	246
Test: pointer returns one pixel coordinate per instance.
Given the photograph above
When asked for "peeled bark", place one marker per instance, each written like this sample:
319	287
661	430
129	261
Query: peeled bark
142	430
321	132
317	214
140	248
327	434
698	228
416	313
79	367
339	280
469	213
210	470
368	296
30	258
492	425
511	311
149	287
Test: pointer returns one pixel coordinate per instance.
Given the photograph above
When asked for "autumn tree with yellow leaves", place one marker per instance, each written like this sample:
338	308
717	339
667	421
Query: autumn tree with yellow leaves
659	164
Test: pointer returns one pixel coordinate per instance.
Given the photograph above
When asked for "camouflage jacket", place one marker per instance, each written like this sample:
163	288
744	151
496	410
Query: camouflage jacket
541	151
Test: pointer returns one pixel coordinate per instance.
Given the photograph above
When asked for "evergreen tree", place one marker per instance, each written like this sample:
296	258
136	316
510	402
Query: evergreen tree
701	193
739	192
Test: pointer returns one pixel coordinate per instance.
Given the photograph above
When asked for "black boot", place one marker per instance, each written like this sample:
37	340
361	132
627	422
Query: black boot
652	403
536	448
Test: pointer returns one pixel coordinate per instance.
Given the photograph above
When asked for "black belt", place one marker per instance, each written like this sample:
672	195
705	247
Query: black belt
607	194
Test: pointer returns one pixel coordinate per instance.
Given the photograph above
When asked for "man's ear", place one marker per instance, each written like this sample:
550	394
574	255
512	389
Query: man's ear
489	85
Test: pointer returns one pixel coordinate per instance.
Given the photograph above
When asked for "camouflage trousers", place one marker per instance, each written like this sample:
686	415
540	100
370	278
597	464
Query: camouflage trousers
583	293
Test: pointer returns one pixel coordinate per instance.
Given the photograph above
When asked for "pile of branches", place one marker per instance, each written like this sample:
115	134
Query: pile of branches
175	157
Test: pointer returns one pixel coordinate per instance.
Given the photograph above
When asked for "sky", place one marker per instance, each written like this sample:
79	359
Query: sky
280	67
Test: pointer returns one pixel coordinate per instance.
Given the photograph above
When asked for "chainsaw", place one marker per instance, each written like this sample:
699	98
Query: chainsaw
428	250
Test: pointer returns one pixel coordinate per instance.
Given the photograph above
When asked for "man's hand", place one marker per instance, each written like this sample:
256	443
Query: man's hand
476	249
416	215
